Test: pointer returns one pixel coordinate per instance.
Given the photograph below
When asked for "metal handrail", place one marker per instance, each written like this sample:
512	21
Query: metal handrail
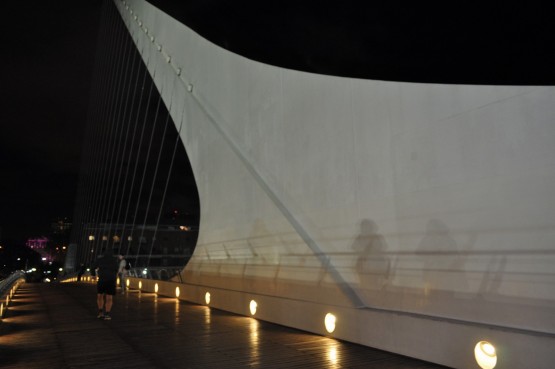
158	273
7	283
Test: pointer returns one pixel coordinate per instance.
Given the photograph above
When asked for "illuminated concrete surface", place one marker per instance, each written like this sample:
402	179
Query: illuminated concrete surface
55	326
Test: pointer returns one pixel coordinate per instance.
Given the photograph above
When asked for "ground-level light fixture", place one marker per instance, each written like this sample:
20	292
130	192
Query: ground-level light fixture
177	292
330	321
140	284
485	355
253	306
207	298
156	288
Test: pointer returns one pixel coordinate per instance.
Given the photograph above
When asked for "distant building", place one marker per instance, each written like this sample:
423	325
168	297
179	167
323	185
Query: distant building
40	244
37	243
61	226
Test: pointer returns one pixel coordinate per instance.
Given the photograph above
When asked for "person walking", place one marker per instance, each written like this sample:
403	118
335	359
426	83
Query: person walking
106	267
122	272
81	272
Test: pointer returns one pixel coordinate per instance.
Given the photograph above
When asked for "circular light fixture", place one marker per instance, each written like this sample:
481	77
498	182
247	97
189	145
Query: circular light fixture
140	284
177	292
207	298
156	288
485	355
329	322
253	306
127	283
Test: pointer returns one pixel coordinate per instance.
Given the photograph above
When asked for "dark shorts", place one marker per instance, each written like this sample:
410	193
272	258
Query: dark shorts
106	287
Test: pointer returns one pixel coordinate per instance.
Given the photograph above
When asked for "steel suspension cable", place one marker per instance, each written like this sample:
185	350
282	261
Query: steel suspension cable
126	177
112	142
86	157
107	108
120	155
145	170
153	185
166	185
103	108
136	168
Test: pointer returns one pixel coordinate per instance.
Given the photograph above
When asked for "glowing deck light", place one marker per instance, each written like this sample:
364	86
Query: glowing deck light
91	238
1	310
140	284
127	283
177	292
485	355
207	298
253	306
329	322
156	288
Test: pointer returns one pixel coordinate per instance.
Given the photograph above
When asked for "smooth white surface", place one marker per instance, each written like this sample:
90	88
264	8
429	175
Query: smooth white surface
429	208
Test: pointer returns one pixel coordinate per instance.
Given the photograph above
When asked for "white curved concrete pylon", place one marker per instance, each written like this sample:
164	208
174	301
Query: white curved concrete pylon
421	215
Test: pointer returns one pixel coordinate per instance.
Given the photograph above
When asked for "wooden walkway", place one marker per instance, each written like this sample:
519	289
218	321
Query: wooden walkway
55	326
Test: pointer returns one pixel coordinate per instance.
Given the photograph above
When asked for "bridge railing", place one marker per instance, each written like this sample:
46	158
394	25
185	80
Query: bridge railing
8	287
157	273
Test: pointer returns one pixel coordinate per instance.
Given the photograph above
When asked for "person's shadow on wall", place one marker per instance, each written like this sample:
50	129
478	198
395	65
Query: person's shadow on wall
443	261
372	265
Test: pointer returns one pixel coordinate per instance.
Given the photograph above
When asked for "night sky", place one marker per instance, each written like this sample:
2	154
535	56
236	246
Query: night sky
47	60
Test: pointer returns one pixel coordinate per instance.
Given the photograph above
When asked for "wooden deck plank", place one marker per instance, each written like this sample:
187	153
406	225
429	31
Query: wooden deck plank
55	325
